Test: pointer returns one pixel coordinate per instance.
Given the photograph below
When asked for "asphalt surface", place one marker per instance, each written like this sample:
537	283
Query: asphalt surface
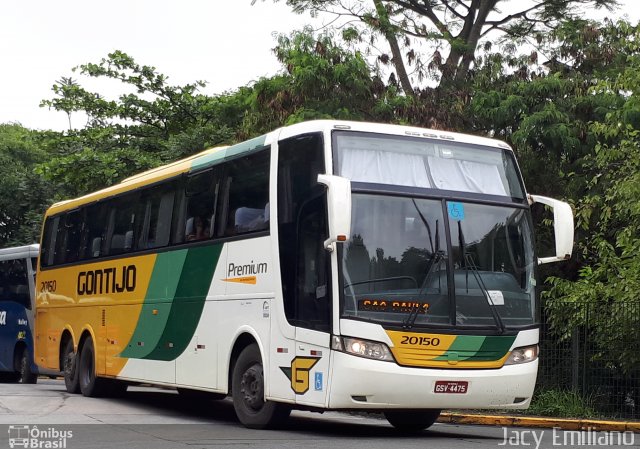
47	416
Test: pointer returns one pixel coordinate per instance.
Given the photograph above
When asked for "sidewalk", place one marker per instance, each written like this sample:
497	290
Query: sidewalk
537	421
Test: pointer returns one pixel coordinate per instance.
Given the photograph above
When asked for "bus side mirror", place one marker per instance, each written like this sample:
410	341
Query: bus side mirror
562	227
338	208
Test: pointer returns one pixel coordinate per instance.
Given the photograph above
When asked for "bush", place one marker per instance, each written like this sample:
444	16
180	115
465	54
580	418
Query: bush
562	403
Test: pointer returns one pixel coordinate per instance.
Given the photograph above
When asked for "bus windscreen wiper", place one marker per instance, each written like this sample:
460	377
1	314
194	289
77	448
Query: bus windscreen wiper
415	309
470	264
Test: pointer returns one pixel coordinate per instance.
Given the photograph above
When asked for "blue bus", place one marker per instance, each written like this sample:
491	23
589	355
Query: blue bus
17	292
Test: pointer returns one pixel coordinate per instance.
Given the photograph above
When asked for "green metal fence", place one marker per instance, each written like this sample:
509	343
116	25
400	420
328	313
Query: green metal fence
599	358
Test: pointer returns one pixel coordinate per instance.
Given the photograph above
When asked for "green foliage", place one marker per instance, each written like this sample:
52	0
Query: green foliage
610	211
455	28
562	403
322	80
150	123
23	194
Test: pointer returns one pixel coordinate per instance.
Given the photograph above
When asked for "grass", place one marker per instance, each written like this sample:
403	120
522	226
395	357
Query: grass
562	403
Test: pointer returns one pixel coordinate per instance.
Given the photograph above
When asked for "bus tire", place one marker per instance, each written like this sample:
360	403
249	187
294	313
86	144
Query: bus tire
90	385
247	389
24	365
411	421
70	368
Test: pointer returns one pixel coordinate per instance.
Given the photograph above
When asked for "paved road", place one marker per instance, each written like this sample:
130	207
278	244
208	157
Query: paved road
157	418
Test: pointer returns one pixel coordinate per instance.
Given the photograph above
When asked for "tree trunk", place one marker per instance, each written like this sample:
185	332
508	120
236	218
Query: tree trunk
390	35
471	40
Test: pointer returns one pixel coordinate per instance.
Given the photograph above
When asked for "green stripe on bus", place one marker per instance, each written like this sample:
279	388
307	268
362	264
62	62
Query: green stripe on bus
160	293
186	309
494	348
465	346
478	348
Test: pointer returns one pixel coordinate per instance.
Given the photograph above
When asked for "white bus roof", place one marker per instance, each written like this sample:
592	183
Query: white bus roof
19	252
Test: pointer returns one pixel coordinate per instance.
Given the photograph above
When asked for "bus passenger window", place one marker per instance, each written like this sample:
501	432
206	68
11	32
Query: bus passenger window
124	215
201	198
67	244
247	194
14	282
95	230
155	230
196	228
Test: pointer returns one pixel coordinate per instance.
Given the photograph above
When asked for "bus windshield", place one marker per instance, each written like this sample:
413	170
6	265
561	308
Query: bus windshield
426	163
397	268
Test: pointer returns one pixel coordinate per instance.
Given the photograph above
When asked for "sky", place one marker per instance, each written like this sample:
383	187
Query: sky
227	43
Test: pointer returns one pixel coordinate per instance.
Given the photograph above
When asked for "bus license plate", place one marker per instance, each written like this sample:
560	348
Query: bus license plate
451	386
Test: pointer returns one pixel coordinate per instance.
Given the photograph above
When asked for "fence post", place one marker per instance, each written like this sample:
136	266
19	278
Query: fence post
575	359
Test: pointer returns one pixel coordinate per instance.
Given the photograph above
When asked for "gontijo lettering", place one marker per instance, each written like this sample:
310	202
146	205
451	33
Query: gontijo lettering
109	280
244	270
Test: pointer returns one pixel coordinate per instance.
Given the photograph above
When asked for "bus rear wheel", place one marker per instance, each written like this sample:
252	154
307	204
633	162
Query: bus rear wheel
412	421
70	368
90	384
248	393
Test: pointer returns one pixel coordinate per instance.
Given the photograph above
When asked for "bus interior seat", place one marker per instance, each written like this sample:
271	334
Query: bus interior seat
128	240
117	243
249	219
96	243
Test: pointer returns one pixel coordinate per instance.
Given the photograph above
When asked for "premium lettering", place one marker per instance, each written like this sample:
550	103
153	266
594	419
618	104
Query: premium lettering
245	270
109	280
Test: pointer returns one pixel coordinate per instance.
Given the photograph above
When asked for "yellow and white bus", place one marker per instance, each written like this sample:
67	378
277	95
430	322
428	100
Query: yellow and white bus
325	265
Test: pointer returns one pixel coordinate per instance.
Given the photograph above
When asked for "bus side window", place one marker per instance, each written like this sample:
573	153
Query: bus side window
125	212
14	282
47	250
201	193
246	194
155	230
67	245
95	231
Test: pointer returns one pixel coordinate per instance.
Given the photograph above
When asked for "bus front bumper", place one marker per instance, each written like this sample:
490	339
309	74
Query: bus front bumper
360	383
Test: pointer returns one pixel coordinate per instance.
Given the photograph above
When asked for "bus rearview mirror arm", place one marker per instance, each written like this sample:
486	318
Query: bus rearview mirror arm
338	209
562	227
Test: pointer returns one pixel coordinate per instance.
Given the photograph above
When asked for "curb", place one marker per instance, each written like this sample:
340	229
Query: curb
526	421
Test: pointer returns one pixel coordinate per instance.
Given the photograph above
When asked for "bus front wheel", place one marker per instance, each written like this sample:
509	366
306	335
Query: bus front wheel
411	421
26	375
248	393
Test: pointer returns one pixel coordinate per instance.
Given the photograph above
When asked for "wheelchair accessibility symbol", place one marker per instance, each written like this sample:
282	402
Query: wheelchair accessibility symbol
456	210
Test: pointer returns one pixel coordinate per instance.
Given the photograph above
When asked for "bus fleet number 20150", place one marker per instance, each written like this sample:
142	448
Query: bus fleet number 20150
420	341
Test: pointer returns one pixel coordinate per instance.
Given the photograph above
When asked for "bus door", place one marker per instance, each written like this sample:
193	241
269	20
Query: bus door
310	368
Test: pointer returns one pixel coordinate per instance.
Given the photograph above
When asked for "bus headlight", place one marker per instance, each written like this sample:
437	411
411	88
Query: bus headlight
522	355
363	348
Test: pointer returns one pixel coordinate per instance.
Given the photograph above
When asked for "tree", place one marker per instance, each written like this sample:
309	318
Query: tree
321	80
151	123
451	27
609	279
23	194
